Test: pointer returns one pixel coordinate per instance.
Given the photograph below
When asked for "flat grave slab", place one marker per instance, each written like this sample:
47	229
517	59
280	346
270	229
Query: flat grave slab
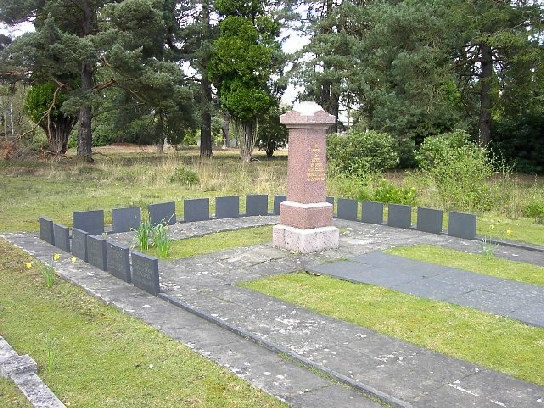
197	209
162	213
47	233
227	207
79	244
96	251
118	261
145	272
487	293
256	204
89	221
62	237
125	219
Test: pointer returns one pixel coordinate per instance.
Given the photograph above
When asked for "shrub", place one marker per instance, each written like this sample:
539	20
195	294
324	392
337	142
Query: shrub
388	192
459	169
535	209
184	176
357	154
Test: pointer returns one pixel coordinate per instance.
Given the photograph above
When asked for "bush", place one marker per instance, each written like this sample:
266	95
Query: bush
387	192
535	209
360	153
459	169
184	176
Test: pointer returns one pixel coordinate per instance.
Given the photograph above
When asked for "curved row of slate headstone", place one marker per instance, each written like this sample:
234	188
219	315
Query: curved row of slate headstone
460	225
89	243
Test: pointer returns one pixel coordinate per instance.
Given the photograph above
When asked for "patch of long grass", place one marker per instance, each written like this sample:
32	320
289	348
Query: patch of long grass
92	355
488	340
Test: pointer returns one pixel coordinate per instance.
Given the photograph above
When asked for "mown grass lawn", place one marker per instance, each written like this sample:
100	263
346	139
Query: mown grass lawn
92	355
495	342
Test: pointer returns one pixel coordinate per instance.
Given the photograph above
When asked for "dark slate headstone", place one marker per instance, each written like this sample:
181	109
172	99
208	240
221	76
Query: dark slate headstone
125	219
256	205
462	225
346	209
429	220
197	209
330	200
145	273
47	233
399	215
227	207
163	213
62	237
79	244
118	261
277	201
372	212
89	221
96	251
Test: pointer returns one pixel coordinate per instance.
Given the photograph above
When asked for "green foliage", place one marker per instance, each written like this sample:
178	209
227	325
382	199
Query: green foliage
360	153
535	209
272	135
459	171
388	192
143	234
354	187
161	240
184	176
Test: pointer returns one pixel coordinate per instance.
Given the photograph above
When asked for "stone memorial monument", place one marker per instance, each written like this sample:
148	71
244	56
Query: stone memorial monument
306	217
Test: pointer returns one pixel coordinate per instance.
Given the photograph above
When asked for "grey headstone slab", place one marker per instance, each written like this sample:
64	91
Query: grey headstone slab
346	209
197	209
96	251
256	204
277	201
462	225
89	221
79	244
62	237
372	212
399	216
145	272
429	220
329	200
125	219
227	207
118	261
47	233
162	213
464	288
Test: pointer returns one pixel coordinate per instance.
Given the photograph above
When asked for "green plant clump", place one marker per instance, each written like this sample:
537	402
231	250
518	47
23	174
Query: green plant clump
184	176
387	192
360	153
459	170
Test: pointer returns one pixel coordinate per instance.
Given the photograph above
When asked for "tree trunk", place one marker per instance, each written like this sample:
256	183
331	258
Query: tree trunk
247	142
206	96
205	119
226	130
85	139
486	77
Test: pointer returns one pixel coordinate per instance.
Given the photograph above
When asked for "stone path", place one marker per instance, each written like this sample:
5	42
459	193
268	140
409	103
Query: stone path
269	342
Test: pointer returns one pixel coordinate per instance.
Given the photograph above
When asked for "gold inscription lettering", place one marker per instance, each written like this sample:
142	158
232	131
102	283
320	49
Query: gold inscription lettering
316	170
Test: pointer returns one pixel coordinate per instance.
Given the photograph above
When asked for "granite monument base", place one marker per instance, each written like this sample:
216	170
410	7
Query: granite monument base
305	240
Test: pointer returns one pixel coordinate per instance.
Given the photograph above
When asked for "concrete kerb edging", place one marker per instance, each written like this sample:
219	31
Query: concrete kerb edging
22	370
363	388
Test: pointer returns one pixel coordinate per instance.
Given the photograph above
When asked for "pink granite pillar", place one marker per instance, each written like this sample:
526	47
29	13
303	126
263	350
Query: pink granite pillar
306	218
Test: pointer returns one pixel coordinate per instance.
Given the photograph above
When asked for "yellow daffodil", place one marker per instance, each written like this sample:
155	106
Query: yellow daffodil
491	227
56	257
28	265
508	232
73	259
